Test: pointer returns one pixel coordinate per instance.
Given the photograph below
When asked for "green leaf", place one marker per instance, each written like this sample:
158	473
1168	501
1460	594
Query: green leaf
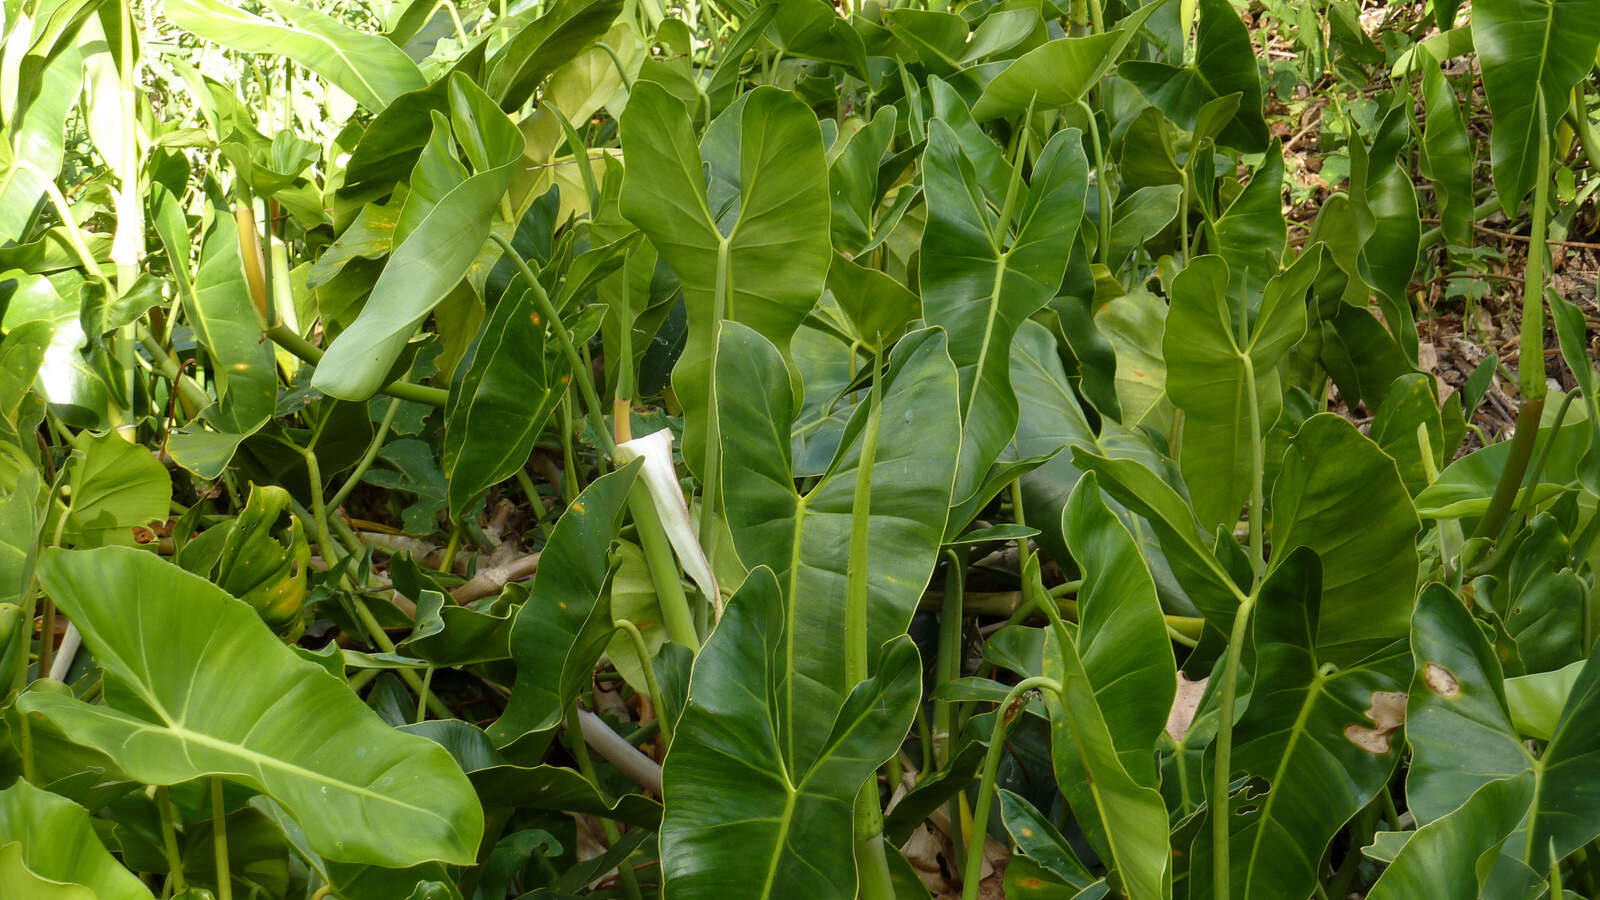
565	623
114	486
1224	63
979	283
362	792
49	851
853	180
1052	419
1451	857
814	30
566	29
805	538
1083	750
558	789
409	468
1410	404
349	880
1252	233
1446	157
756	251
1532	53
439	236
745	815
1225	377
1121	636
1538	597
220	309
1385	206
514	380
1143	215
1536	700
366	66
1323	738
21	517
1134	324
448	634
1059	73
1126	656
1572	331
1362	356
938	38
1037	836
265	558
1463	488
1340	495
31	154
878	307
1188	549
1462	737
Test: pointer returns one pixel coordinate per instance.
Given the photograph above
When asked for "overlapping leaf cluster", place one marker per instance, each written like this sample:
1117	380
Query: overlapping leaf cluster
788	450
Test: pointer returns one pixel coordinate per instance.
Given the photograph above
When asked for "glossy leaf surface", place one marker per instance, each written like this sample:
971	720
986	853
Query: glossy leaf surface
786	830
980	281
805	538
288	730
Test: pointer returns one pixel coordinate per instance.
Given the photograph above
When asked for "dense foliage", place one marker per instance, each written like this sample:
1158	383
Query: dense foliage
1025	448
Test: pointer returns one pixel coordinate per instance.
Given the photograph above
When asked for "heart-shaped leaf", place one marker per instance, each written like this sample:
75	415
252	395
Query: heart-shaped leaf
197	685
784	829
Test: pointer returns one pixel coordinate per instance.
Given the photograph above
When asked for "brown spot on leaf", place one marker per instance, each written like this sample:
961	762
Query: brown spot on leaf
1441	681
1387	713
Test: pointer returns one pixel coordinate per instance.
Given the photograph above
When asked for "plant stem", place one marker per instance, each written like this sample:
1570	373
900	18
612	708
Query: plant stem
1224	755
219	840
47	635
1505	491
651	685
871	859
1579	113
947	668
169	842
19	673
540	512
1258	500
427	694
193	397
1530	361
1101	182
1096	17
1537	471
855	597
319	511
580	372
367	458
303	349
991	764
663	566
580	751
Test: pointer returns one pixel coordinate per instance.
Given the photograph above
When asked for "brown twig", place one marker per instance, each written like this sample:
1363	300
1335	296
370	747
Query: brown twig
1524	239
490	581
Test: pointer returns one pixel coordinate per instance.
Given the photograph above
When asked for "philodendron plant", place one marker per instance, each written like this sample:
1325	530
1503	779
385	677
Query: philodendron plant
789	449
